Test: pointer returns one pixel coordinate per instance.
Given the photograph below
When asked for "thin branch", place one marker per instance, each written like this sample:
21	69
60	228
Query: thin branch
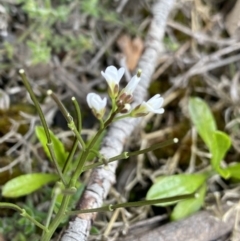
202	226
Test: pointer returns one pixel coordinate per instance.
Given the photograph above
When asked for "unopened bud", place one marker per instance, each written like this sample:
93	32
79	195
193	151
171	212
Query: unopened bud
126	108
139	73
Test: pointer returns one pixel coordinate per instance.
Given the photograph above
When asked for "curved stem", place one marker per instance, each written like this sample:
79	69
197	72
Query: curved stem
125	155
23	213
112	207
44	123
35	101
46	236
68	117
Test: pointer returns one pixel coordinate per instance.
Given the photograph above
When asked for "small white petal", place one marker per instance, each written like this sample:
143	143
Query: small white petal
113	76
95	102
152	105
131	86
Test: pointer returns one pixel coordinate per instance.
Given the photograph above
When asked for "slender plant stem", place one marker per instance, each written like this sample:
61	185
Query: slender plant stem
10	206
79	128
84	156
70	156
72	183
121	117
44	123
35	101
78	113
23	213
46	236
112	207
56	192
53	157
125	155
68	117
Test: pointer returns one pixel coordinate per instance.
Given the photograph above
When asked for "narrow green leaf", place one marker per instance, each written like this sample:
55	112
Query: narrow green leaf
189	206
171	186
203	119
61	154
220	145
234	171
25	184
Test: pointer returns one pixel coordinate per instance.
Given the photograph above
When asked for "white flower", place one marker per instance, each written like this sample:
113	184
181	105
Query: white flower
113	77
131	86
126	94
152	105
97	104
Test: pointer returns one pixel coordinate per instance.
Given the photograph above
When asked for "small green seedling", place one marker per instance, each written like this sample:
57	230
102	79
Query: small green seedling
218	144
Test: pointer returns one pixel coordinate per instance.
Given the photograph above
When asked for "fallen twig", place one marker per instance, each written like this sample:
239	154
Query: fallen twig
202	226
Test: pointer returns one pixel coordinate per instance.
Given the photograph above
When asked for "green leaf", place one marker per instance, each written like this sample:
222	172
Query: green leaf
189	206
218	142
25	184
60	153
234	171
220	145
175	185
203	119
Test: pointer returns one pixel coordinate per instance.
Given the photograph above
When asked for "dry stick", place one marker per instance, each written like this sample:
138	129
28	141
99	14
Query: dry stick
208	63
201	38
103	178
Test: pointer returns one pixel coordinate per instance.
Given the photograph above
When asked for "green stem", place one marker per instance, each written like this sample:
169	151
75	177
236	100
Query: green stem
68	117
70	156
84	156
23	213
114	107
53	157
75	143
121	117
56	192
64	205
112	207
35	101
48	4
78	113
46	236
72	183
44	123
85	153
125	155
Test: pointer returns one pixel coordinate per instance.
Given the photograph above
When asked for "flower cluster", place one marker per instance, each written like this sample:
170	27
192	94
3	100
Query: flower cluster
121	100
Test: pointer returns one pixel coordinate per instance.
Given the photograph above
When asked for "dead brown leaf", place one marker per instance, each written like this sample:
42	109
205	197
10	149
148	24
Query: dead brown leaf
132	50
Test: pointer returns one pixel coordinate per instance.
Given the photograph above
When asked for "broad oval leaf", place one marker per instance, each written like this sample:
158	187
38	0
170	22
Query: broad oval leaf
175	185
189	206
25	184
60	153
234	171
220	145
202	119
